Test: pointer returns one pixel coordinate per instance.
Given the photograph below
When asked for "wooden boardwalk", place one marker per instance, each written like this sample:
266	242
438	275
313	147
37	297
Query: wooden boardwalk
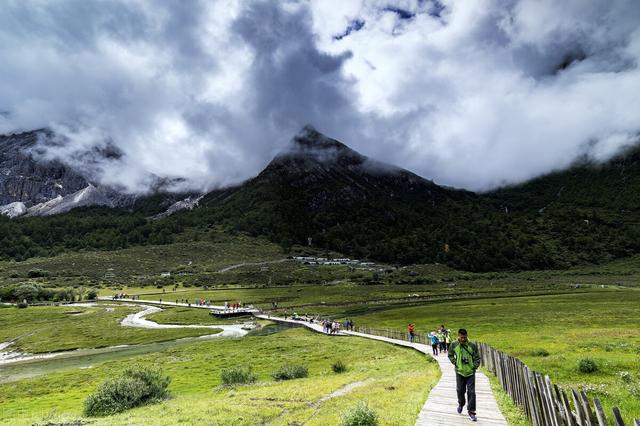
440	407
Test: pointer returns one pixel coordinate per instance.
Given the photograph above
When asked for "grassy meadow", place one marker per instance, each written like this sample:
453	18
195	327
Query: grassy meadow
40	329
394	381
549	319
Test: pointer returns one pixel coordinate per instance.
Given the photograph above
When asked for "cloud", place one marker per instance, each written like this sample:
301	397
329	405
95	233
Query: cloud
470	94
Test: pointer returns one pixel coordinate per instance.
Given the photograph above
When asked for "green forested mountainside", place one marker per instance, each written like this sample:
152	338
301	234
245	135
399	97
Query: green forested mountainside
612	187
96	228
345	202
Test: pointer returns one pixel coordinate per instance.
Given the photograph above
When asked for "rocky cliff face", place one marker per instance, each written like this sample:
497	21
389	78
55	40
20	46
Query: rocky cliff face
31	186
24	179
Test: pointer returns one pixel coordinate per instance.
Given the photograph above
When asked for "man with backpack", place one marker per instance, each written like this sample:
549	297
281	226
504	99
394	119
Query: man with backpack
412	332
464	355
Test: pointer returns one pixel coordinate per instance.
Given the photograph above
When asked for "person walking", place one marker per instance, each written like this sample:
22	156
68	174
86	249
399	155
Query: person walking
411	330
464	355
447	340
434	343
440	340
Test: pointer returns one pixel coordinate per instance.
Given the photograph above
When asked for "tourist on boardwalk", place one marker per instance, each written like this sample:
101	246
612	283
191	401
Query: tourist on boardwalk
464	355
441	338
434	342
447	340
411	330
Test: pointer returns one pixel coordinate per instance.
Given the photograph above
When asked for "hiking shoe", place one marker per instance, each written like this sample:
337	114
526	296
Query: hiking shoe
459	409
473	417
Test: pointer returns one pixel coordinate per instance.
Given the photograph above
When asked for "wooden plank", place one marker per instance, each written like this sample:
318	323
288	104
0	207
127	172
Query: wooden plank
555	418
617	417
580	416
587	408
569	418
602	420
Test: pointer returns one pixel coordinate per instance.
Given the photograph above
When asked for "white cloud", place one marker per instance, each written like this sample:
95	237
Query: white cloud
472	94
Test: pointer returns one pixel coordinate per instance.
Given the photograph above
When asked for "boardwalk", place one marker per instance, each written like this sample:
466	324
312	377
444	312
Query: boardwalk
440	407
217	308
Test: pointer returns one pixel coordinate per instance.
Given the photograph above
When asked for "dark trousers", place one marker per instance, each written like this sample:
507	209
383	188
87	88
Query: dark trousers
467	384
434	347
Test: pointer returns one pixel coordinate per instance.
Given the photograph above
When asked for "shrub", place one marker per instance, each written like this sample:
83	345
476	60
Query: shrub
37	273
22	305
237	375
26	291
587	365
540	352
92	294
135	387
287	372
339	367
360	415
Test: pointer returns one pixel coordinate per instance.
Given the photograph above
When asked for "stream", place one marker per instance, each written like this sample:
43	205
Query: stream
16	366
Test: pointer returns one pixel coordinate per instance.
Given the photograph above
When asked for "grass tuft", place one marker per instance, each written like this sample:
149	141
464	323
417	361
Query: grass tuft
288	372
237	376
339	367
587	365
360	415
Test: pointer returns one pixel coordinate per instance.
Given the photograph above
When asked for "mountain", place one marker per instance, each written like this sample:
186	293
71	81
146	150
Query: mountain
318	191
33	186
25	180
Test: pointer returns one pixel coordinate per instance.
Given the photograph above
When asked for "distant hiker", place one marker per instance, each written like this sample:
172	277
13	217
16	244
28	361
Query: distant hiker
466	358
441	342
411	330
447	339
434	343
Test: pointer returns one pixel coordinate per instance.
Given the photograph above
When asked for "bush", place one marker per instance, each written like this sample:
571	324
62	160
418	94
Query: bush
37	273
540	352
92	294
135	387
587	365
22	305
237	375
339	367
360	415
287	372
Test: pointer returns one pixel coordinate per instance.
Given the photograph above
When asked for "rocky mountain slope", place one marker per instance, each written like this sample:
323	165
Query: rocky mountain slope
33	186
25	180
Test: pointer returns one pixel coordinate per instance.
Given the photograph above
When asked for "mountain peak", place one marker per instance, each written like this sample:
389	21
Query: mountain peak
309	145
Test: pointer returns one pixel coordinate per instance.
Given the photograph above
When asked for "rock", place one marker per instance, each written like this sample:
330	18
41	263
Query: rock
15	209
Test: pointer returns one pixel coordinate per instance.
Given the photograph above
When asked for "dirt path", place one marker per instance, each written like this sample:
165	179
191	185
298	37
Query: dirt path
240	265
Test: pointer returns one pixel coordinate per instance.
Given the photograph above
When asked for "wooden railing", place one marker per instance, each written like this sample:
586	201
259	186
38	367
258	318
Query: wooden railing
544	403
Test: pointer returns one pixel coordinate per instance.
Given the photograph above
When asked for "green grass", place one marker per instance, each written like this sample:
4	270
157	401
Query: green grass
395	382
49	329
602	325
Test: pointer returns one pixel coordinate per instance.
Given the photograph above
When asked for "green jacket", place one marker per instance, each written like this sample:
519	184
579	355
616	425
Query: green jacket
466	358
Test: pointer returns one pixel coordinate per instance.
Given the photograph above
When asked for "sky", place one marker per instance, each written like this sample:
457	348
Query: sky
473	94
